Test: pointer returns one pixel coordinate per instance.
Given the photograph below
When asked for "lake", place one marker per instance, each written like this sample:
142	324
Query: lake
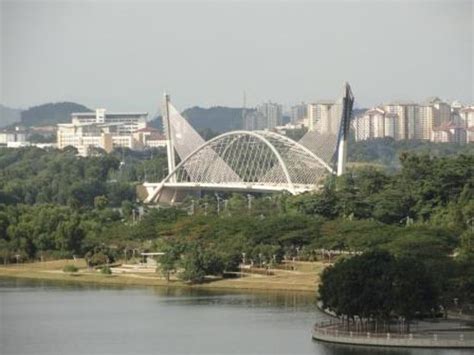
56	318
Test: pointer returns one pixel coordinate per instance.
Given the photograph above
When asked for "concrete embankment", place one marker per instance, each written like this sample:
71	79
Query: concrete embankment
450	337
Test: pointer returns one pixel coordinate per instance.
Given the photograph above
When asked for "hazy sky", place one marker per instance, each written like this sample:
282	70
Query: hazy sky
122	55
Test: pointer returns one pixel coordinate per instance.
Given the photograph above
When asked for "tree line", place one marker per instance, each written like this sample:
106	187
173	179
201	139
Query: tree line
54	204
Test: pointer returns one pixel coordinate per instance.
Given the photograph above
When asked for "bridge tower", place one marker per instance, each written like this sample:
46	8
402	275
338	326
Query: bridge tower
347	103
169	136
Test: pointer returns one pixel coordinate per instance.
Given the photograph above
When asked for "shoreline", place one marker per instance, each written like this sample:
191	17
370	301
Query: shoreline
445	337
282	281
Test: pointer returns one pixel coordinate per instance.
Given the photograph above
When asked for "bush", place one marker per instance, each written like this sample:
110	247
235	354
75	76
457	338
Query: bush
106	270
70	268
98	257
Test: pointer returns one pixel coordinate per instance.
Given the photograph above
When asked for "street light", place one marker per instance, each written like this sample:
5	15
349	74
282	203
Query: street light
218	204
249	197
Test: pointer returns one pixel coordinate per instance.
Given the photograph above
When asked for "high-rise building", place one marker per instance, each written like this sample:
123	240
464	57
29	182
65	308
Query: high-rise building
325	116
391	125
407	116
254	120
272	114
299	112
433	120
467	120
467	116
370	125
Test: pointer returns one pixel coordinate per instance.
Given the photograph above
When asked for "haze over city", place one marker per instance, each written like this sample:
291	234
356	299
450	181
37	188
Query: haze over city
124	55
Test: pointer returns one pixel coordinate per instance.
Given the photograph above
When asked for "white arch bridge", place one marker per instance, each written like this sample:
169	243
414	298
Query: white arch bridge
251	161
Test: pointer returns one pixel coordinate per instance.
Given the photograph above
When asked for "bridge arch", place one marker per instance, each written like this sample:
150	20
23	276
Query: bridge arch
249	160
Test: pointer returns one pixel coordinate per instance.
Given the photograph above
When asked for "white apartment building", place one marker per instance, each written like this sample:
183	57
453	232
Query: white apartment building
370	125
392	125
254	120
299	112
325	116
407	112
272	114
433	120
467	116
470	135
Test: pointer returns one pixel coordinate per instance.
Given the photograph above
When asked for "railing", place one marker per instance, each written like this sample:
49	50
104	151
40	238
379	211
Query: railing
335	332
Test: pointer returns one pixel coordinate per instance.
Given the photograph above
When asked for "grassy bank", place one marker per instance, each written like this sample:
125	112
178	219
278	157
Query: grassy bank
304	277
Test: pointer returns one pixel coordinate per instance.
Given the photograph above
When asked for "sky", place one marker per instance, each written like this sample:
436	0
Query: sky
123	55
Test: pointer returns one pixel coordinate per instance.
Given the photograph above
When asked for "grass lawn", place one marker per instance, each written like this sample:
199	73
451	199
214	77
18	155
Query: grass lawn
305	277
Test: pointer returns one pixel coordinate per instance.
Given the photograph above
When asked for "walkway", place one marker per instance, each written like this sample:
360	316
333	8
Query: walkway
428	335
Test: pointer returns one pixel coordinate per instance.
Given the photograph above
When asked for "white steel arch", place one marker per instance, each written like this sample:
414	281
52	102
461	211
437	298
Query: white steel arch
247	161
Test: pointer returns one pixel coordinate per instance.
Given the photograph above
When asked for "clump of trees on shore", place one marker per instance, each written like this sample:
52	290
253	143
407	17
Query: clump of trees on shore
369	290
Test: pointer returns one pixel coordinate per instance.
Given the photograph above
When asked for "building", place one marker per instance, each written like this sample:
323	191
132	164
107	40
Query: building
432	119
440	135
149	137
105	131
127	122
407	113
470	135
325	116
13	137
298	113
271	115
370	125
449	132
467	116
254	120
391	125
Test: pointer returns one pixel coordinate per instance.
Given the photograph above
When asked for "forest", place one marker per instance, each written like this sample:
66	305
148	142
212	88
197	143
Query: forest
54	205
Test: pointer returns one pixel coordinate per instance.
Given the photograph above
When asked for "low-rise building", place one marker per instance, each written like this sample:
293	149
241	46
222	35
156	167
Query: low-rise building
9	136
150	137
107	131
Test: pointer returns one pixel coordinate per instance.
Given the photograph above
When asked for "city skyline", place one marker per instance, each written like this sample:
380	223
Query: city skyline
218	50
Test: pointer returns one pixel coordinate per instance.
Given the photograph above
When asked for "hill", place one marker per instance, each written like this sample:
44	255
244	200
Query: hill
8	116
220	119
51	113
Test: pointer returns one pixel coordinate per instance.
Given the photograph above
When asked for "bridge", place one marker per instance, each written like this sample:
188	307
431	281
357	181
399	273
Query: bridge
251	161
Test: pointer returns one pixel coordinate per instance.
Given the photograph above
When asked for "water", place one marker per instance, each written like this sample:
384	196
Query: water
53	318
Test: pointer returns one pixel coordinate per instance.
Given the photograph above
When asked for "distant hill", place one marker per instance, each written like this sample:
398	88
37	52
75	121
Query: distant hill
219	119
51	114
8	116
156	122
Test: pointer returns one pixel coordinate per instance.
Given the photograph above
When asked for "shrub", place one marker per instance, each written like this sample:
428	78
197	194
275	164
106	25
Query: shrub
106	270
70	268
97	258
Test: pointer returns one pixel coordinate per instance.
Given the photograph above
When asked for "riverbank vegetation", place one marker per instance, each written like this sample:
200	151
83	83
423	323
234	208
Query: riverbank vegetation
56	205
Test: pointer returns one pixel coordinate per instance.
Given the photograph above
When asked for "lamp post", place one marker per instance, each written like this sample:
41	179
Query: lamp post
218	204
249	197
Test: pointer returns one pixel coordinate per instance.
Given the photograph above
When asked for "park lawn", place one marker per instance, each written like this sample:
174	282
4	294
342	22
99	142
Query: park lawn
304	278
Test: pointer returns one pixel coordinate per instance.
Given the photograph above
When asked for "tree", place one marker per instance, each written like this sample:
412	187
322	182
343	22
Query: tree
100	202
375	285
169	260
414	291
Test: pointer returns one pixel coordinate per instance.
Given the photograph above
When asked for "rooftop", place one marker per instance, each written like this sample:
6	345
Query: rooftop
93	114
